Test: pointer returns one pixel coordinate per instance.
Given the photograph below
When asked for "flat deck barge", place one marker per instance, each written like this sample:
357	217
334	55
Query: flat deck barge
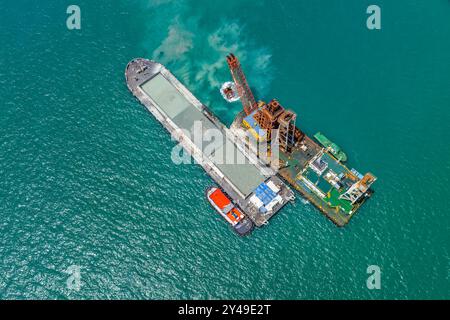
258	186
185	117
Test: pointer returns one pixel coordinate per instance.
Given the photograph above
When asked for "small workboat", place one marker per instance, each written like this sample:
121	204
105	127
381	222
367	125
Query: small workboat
229	91
333	147
223	205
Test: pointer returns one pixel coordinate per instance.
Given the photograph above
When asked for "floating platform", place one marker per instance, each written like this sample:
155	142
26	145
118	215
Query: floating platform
184	116
315	172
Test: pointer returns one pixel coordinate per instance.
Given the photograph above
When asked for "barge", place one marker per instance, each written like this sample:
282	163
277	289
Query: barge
259	187
184	116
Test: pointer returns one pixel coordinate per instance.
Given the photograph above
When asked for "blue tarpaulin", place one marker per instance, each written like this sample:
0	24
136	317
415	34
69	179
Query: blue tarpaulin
264	193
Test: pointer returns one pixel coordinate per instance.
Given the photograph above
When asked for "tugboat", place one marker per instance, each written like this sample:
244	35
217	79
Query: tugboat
223	205
229	91
333	147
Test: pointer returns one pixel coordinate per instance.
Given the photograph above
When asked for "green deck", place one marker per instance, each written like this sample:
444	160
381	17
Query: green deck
227	157
333	200
338	210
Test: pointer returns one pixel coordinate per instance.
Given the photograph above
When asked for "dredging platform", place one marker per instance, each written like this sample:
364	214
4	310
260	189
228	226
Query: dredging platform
255	182
238	172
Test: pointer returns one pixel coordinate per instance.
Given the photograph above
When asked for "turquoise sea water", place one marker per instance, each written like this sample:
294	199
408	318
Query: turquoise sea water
86	175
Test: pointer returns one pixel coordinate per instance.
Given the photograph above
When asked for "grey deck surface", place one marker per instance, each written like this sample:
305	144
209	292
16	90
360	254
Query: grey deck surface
244	176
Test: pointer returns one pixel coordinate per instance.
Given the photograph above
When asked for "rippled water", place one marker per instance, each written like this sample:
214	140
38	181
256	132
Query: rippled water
86	175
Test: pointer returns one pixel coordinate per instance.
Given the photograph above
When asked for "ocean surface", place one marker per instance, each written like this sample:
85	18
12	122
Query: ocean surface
87	182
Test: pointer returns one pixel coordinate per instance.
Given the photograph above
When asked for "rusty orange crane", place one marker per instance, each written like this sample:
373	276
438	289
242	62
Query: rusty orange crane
243	89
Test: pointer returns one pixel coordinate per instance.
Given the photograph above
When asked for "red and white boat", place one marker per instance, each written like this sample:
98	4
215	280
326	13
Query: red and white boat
229	211
229	91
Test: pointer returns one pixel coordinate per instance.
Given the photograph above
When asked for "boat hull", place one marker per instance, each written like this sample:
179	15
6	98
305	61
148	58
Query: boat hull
334	149
242	227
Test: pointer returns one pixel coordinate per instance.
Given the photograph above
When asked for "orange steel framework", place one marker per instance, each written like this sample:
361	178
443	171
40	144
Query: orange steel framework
267	116
246	95
274	116
287	130
270	116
